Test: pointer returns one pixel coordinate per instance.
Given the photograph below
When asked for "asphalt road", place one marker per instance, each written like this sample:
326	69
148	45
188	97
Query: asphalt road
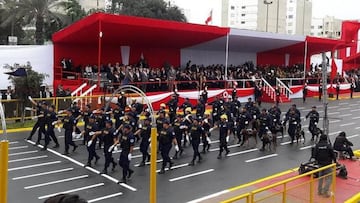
34	175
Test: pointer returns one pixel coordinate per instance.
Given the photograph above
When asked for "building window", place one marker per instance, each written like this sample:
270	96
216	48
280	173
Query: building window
243	14
291	16
320	27
232	15
289	31
242	22
291	8
290	24
243	7
232	7
312	27
311	33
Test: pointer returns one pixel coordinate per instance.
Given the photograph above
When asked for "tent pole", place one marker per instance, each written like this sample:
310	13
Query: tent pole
99	53
305	58
226	57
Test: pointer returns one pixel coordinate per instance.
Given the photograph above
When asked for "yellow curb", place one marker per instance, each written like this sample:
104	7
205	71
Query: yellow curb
354	199
357	153
263	179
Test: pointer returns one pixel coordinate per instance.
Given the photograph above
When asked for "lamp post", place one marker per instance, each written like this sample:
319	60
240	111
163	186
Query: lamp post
277	15
267	3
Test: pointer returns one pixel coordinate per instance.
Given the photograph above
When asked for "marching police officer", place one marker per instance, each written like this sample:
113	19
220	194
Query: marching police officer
127	141
86	114
118	114
242	121
196	132
179	127
224	135
39	112
89	134
69	124
206	124
166	139
173	105
294	121
200	109
265	123
215	110
145	134
51	120
314	119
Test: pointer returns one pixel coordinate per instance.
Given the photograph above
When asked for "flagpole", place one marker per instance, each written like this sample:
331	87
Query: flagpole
305	58
226	56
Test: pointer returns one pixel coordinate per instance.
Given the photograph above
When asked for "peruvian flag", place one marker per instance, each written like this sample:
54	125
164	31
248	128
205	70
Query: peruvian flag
209	18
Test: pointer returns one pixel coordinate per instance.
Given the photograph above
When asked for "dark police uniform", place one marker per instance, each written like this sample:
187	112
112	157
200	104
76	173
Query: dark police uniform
126	142
223	131
242	121
166	137
177	126
206	124
145	135
200	109
314	119
294	121
91	127
108	139
68	124
118	114
86	115
50	117
172	104
39	111
196	132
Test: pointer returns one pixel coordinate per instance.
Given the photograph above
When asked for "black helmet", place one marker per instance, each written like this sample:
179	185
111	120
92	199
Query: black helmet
342	134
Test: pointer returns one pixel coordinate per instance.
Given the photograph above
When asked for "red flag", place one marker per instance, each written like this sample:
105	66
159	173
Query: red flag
209	19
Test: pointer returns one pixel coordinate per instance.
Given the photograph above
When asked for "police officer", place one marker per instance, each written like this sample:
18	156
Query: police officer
324	155
204	95
337	90
200	109
69	124
179	127
85	115
294	121
188	120
104	115
196	133
305	92
76	112
118	114
233	93
110	139
343	144
223	135
352	87
39	113
166	139
249	104
293	107
42	121
215	110
127	141
186	104
243	121
89	134
265	123
207	125
51	120
173	105
314	119
145	134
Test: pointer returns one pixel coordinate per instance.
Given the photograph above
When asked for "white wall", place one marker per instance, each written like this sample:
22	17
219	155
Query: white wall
40	57
205	57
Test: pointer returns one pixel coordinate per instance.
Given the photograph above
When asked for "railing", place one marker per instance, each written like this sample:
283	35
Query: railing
292	189
269	90
283	88
88	92
293	81
78	90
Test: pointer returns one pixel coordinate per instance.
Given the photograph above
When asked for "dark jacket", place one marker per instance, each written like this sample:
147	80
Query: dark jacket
324	153
340	142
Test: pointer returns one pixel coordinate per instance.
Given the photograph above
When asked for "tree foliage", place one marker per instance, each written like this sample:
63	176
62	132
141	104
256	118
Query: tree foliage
148	8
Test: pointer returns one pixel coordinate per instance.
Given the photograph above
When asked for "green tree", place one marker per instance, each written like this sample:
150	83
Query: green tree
74	10
37	12
148	8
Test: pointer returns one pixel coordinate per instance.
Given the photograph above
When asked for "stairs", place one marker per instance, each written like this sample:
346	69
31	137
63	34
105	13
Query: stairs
269	94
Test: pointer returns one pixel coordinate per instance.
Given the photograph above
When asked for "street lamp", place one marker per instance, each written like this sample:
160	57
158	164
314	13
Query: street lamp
267	3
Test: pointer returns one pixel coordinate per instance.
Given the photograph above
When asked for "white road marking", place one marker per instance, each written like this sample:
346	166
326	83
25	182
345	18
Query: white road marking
26	159
279	137
73	190
128	187
356	117
344	115
352	136
19	147
21	153
202	199
148	163
336	121
346	124
55	182
307	147
346	108
320	111
300	108
289	142
332	113
15	142
332	107
229	146
191	175
110	178
261	158
34	165
41	174
357	128
355	110
93	170
353	104
334	133
105	197
242	152
174	167
342	103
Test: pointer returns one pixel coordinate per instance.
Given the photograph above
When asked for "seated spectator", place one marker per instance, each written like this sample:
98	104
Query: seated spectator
343	144
60	92
45	92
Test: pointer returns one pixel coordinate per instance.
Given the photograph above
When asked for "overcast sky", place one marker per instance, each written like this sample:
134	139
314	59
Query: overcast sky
343	9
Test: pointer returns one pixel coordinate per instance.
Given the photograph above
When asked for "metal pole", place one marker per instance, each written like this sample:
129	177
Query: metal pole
305	58
153	157
304	18
277	16
267	17
99	53
324	83
4	155
226	56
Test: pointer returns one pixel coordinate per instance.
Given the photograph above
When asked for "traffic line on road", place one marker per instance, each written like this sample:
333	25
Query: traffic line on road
336	121
289	142
15	142
34	165
261	158
356	117
29	158
21	153
355	110
332	107
105	197
73	190
346	124
42	174
357	128
334	133
175	167
55	182
306	147
353	104
191	175
148	163
242	152
19	147
128	187
343	103
331	113
82	165
230	146
345	108
344	115
352	136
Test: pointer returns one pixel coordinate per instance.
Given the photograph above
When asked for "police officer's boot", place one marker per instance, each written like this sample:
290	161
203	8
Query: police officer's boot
208	147
219	156
176	155
200	159
192	163
203	151
181	151
88	164
103	171
142	164
162	171
130	173
96	159
171	165
148	159
113	166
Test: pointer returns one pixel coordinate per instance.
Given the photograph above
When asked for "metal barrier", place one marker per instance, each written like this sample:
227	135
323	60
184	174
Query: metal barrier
292	190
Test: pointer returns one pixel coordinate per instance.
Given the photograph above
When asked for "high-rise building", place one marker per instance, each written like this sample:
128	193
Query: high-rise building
329	27
299	15
93	4
262	15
